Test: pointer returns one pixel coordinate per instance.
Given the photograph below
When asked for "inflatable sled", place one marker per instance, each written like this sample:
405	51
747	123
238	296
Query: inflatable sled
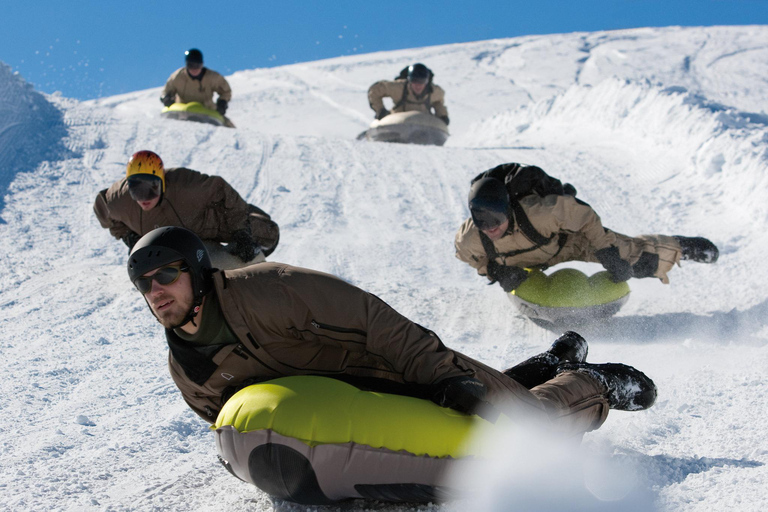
568	297
408	127
194	111
317	440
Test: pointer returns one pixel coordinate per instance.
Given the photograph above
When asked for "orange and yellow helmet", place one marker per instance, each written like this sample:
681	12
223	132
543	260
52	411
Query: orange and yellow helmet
146	162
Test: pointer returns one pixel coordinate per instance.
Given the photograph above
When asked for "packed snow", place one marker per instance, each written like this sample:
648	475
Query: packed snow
662	130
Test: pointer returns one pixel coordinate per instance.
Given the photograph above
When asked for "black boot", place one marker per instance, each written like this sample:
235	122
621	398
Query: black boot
570	347
698	249
629	389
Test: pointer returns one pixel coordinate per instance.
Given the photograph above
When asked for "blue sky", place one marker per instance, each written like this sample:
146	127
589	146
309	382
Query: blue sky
89	49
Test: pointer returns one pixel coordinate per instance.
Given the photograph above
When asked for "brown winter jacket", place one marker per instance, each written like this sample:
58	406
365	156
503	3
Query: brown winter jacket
583	234
206	205
432	98
200	89
295	321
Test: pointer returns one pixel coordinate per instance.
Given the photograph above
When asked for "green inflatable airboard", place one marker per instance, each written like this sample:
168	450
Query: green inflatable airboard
570	288
320	410
193	107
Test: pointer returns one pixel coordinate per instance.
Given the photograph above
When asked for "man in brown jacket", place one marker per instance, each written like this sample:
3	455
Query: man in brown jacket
150	197
507	233
229	329
412	90
194	82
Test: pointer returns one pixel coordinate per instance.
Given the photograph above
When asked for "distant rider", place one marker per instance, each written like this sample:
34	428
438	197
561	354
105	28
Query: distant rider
505	235
412	90
194	82
150	197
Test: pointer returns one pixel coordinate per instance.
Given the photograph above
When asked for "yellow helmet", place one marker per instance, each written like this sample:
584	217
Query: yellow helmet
146	162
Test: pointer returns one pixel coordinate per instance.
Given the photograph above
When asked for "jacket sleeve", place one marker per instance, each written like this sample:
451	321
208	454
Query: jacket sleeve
101	208
233	209
221	86
327	310
219	210
469	248
384	89
196	397
438	102
568	214
170	87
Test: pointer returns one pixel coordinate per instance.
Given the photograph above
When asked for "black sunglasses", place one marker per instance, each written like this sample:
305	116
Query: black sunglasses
144	187
164	275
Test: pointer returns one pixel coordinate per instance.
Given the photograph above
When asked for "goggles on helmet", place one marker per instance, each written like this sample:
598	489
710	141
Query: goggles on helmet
487	219
194	65
144	187
164	275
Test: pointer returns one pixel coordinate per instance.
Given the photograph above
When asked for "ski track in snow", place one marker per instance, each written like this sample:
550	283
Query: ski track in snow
662	130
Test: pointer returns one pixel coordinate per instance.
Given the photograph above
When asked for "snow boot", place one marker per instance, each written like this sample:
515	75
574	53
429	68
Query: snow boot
698	249
628	389
570	347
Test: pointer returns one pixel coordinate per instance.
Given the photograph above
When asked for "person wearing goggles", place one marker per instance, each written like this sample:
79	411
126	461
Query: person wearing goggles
412	89
195	82
512	228
145	189
227	330
150	196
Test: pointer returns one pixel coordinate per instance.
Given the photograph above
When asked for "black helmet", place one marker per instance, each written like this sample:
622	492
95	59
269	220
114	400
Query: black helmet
488	203
193	56
165	245
419	73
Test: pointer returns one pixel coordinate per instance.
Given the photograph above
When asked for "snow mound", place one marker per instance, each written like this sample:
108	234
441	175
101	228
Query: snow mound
31	128
720	151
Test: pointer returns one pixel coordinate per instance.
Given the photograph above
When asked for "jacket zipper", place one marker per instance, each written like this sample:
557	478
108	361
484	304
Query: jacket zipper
318	325
241	351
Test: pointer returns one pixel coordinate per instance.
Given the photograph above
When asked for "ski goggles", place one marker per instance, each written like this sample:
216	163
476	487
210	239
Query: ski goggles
144	187
487	219
165	276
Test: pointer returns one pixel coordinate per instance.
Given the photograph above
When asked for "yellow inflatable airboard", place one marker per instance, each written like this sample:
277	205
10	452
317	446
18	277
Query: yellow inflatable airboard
569	295
193	111
316	440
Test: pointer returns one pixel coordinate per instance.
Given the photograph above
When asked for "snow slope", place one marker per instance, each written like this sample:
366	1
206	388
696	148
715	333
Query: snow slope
661	130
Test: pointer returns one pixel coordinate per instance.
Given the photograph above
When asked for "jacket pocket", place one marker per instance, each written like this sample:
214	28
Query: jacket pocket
346	331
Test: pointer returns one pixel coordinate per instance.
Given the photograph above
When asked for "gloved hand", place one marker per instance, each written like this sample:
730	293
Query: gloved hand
130	239
221	106
509	277
445	120
242	246
168	99
466	395
381	114
619	269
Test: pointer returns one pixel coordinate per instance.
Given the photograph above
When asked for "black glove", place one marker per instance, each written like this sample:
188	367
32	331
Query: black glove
382	114
168	99
130	239
242	246
509	277
466	395
445	120
221	106
619	269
